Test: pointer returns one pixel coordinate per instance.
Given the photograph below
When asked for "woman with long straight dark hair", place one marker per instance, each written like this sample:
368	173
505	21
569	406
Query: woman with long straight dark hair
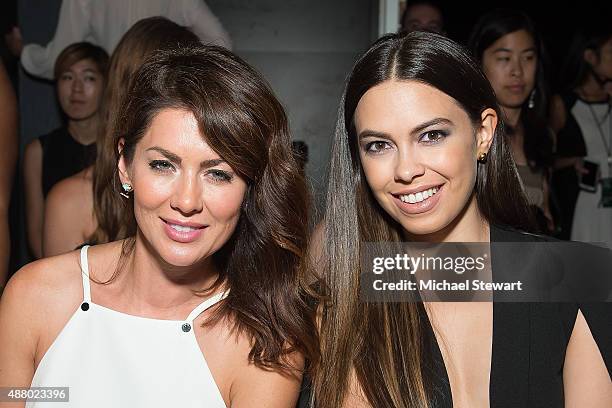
512	56
420	155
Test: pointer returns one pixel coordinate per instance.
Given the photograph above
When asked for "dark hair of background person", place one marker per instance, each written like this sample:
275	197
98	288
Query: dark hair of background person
77	52
538	144
139	42
264	263
575	69
384	341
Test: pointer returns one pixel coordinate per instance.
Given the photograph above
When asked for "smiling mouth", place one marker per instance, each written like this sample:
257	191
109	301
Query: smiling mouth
183	232
184	228
181	228
418	197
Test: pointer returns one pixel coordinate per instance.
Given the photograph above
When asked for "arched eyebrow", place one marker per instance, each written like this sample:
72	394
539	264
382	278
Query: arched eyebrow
176	159
417	129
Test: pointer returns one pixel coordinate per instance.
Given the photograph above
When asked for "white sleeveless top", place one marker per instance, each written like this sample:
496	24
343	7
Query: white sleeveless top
593	223
113	359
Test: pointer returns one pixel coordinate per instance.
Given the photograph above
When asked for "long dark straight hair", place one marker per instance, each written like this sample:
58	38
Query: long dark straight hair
263	264
383	344
538	143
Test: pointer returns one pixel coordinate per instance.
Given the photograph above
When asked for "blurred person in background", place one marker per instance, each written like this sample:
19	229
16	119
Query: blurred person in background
511	53
80	73
83	198
580	115
422	16
103	22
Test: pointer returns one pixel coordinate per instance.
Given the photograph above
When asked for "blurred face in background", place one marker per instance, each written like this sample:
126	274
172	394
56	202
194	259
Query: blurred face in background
510	64
423	17
601	60
79	90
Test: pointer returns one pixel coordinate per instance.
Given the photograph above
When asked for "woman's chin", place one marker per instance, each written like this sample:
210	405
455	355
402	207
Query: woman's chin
423	228
179	257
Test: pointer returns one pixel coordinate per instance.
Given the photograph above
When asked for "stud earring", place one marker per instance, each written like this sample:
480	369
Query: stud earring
482	157
127	188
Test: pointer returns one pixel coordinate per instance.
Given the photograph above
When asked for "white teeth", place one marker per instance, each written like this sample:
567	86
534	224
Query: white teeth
181	228
418	197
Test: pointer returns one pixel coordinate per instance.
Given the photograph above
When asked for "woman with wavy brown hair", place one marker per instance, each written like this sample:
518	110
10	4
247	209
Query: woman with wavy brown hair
204	304
93	216
419	156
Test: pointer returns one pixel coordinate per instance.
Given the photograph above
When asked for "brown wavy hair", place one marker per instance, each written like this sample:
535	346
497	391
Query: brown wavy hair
385	344
263	263
142	40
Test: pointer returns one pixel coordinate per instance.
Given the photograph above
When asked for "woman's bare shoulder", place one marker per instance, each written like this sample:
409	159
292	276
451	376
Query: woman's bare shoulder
70	199
79	183
56	282
47	276
45	290
45	293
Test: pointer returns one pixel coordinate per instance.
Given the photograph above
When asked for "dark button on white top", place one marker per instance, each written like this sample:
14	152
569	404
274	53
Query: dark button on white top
186	327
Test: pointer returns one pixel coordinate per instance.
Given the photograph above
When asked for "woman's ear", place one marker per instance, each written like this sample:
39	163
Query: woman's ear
486	132
122	165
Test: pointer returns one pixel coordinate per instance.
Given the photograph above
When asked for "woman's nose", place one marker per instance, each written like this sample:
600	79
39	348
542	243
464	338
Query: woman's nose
408	166
187	197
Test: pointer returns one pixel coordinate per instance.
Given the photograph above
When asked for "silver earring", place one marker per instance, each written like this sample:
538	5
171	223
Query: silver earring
127	188
531	102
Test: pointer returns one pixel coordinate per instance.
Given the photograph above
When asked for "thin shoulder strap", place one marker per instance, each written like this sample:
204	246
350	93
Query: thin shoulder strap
206	304
85	274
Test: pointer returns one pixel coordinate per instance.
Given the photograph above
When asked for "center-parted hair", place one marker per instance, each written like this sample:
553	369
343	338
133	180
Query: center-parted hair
384	344
242	121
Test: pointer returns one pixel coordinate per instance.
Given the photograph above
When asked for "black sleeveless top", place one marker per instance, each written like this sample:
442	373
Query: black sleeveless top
63	157
528	348
570	142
